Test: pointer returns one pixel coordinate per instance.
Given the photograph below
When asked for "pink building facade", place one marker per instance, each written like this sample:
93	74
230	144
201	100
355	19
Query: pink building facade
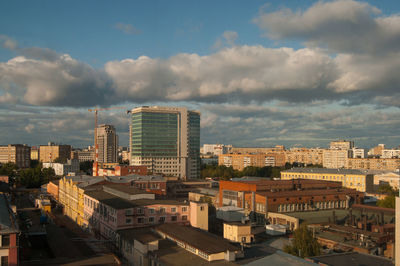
107	213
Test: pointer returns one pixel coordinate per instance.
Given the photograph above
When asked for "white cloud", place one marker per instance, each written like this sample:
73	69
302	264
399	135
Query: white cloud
343	26
127	28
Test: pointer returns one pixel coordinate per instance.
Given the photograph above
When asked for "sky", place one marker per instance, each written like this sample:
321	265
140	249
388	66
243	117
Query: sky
262	73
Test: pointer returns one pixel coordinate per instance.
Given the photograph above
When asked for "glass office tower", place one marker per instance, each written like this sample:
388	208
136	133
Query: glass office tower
166	140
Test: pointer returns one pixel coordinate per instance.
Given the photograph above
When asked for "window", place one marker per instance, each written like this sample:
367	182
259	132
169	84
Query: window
140	220
162	210
5	240
201	208
139	211
162	219
4	260
173	218
173	209
128	212
151	219
128	220
184	209
151	211
184	217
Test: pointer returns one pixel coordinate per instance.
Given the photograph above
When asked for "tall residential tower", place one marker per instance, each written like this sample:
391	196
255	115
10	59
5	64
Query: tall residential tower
166	140
107	140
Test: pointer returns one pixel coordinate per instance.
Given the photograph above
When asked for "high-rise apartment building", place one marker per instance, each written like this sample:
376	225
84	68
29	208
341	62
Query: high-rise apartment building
166	140
48	153
16	153
107	140
342	144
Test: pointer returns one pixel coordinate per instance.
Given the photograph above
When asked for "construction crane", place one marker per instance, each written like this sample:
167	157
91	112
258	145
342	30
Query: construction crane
96	145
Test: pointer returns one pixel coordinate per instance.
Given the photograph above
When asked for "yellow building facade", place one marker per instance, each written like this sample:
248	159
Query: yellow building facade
238	232
350	178
71	196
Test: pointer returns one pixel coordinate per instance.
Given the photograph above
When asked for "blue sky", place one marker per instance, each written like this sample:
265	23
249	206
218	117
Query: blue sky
288	72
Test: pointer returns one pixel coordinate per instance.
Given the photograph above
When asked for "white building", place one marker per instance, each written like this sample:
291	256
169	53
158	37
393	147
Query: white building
386	153
72	166
357	153
216	149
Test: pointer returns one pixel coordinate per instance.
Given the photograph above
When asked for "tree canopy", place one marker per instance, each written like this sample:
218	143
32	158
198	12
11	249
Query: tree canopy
390	200
304	244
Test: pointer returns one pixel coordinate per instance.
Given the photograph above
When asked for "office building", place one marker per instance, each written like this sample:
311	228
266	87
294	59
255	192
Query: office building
166	140
342	145
48	153
107	141
16	153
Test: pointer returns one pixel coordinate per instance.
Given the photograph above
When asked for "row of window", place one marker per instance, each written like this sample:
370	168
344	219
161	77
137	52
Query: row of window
152	219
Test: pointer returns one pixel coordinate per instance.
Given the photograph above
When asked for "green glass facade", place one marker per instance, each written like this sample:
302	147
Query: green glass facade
154	134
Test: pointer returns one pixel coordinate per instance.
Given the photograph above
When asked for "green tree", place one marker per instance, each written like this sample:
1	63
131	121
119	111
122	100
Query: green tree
60	160
388	202
303	244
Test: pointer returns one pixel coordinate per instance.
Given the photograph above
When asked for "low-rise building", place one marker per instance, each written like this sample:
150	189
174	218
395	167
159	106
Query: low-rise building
71	166
350	178
203	244
9	232
389	178
123	170
106	212
238	232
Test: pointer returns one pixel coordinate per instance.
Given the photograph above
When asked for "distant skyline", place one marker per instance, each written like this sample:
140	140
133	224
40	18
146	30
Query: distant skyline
261	73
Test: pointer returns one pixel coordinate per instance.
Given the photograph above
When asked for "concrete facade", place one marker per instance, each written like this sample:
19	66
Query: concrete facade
16	153
107	141
48	153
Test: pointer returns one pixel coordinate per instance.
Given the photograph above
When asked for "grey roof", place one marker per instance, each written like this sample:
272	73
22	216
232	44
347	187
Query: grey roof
133	177
202	240
120	203
7	220
352	258
327	171
280	258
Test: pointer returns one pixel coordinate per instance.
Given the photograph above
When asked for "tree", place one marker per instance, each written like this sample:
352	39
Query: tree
303	243
388	202
86	166
60	160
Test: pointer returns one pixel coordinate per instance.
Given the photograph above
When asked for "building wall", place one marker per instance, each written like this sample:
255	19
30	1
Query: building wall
52	189
240	161
238	233
360	182
391	164
166	140
107	141
335	158
199	215
48	153
283	219
390	178
17	154
304	155
342	144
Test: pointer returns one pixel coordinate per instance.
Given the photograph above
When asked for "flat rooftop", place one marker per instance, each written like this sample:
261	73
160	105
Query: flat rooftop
201	240
120	203
169	253
351	258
